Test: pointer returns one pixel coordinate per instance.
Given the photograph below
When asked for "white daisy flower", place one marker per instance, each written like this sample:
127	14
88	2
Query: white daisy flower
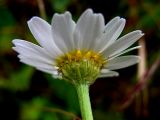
78	51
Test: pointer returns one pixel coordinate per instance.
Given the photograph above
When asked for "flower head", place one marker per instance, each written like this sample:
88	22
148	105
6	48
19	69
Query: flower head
78	52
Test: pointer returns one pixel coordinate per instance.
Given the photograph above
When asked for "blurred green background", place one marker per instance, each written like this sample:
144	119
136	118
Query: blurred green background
28	94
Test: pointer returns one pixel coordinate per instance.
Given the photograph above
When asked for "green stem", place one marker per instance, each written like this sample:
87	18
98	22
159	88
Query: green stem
84	101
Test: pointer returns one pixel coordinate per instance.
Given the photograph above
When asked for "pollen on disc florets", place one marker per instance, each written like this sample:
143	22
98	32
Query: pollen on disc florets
80	66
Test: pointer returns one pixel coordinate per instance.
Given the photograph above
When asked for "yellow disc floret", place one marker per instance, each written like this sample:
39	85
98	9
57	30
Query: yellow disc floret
80	66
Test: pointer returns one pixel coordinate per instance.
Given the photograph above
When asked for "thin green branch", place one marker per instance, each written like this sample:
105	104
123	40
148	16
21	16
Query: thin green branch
141	84
42	10
56	110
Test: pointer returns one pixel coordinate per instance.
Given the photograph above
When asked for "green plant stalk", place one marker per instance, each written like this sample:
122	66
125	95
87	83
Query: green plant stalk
84	101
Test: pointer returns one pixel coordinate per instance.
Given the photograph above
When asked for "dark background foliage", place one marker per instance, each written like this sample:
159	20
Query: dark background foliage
28	94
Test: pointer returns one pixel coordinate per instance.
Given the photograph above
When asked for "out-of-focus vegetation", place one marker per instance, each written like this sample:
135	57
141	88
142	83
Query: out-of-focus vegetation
28	94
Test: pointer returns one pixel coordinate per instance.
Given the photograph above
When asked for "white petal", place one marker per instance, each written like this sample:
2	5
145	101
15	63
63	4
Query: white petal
37	58
41	30
125	51
88	28
50	71
97	31
36	62
111	33
122	43
62	30
57	76
122	62
108	73
111	23
32	56
26	48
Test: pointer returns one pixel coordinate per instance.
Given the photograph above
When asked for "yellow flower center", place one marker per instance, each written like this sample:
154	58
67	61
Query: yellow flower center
80	66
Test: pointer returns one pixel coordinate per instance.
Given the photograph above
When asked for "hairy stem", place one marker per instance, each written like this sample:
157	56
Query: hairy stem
84	101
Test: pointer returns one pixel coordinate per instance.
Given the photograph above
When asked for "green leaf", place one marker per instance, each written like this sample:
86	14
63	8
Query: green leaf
60	5
66	92
6	18
18	80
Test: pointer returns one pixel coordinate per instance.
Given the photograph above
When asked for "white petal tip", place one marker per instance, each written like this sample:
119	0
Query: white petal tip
122	20
113	74
33	18
67	13
138	47
117	17
89	10
16	41
57	77
140	32
14	48
108	73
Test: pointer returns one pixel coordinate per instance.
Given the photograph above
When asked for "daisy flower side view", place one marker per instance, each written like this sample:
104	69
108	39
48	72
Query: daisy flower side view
78	52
